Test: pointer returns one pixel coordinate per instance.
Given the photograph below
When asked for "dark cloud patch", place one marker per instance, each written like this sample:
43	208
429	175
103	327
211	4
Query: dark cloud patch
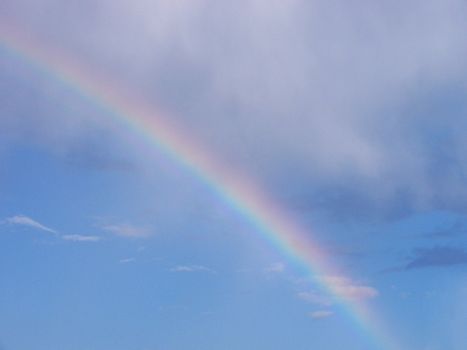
437	257
455	230
354	201
99	160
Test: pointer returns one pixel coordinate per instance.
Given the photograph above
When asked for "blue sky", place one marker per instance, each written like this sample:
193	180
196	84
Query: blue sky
351	116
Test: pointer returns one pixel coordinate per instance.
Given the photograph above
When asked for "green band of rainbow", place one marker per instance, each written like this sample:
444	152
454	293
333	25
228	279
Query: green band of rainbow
239	193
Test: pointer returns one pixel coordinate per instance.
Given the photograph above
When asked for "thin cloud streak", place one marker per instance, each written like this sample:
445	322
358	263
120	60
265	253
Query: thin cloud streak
23	220
26	221
80	238
191	269
127	230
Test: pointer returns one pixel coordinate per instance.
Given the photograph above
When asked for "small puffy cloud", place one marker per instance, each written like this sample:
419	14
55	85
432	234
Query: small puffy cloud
81	238
320	314
191	268
347	288
27	221
126	230
277	267
315	298
437	256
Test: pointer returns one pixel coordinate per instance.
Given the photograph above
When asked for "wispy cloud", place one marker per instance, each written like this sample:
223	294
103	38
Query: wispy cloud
320	314
191	268
127	230
80	238
277	267
27	221
437	257
23	220
127	260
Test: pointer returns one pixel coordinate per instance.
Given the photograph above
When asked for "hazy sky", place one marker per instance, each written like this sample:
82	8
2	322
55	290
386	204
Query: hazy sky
351	115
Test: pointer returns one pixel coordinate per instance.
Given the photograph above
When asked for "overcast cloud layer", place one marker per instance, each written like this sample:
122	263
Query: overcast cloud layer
311	93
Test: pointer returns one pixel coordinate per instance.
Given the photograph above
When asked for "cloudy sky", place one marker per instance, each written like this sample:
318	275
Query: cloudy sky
350	116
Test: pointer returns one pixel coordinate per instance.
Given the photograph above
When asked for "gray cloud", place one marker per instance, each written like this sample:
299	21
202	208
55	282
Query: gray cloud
455	230
94	155
437	257
314	94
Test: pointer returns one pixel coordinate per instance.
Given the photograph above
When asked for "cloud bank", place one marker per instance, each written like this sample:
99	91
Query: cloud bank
332	92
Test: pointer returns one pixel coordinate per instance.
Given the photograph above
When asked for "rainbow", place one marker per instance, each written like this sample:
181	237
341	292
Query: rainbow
240	193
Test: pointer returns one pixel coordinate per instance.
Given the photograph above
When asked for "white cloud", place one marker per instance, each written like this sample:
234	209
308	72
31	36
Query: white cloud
321	314
341	287
347	288
80	238
127	260
27	221
192	268
126	230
